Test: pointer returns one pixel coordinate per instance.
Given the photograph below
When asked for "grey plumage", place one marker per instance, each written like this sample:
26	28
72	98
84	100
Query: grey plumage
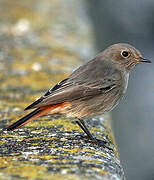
96	79
93	89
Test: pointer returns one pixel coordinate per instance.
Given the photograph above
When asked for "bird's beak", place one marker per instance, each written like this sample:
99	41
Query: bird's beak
141	59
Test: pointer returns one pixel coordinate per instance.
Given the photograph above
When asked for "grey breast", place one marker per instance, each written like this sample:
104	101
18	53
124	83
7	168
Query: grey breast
104	85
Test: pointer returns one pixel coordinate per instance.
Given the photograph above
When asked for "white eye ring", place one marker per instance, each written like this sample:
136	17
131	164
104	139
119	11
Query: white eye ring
125	54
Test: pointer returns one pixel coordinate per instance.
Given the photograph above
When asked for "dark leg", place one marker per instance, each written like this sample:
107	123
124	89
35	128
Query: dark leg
85	129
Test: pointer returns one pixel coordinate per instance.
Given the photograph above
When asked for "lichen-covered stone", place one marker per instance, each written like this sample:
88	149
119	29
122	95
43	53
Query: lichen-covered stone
41	43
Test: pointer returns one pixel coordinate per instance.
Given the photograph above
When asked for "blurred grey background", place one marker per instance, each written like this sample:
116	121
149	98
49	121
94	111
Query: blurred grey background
133	120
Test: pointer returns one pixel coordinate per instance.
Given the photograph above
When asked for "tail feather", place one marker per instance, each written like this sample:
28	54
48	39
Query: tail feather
34	114
24	120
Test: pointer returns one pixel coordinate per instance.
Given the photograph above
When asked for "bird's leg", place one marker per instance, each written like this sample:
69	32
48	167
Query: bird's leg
85	129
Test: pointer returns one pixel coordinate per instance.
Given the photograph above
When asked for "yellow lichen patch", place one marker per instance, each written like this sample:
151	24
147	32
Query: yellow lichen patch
67	125
2	142
4	162
29	171
89	150
55	157
35	80
46	157
8	135
24	170
93	129
75	150
8	161
70	126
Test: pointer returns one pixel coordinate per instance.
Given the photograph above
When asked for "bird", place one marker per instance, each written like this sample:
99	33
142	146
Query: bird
93	89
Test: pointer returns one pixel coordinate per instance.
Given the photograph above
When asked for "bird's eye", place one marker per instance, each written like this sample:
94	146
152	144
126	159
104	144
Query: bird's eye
125	54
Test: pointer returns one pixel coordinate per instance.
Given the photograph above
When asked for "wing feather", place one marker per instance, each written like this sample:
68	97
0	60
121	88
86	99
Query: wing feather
87	81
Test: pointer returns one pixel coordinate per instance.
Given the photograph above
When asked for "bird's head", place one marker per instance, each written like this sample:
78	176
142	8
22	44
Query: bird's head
124	55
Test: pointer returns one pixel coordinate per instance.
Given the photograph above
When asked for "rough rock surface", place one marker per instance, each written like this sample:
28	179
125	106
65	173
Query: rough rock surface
40	44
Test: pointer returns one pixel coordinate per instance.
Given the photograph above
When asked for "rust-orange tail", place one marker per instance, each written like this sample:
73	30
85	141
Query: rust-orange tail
31	116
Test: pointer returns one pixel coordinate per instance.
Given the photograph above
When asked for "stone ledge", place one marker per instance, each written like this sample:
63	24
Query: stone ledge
41	43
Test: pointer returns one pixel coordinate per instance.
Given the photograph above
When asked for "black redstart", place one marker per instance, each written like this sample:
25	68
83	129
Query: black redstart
93	89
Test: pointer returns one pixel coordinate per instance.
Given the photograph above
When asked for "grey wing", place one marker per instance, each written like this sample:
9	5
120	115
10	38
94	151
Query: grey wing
86	82
57	87
74	92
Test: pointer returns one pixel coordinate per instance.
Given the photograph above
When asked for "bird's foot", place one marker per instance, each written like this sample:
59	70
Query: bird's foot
100	143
